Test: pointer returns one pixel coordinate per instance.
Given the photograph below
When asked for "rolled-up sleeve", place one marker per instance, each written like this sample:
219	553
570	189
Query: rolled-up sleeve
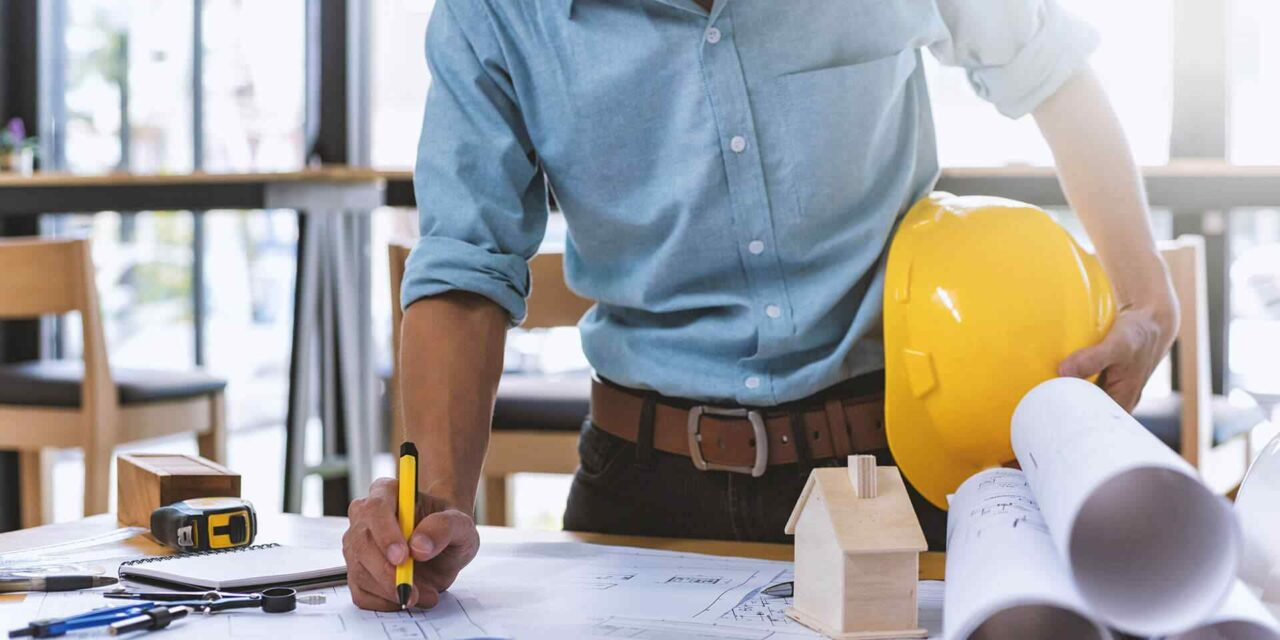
482	201
1016	52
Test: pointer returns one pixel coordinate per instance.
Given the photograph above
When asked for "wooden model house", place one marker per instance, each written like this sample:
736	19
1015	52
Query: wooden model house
858	546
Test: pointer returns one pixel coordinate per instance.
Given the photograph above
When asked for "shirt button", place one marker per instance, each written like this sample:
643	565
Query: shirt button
713	35
773	311
738	144
752	382
756	247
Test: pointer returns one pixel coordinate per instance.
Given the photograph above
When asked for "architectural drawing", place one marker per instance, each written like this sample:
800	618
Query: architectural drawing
547	590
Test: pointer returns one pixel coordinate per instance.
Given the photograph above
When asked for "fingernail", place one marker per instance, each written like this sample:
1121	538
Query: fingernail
396	553
420	543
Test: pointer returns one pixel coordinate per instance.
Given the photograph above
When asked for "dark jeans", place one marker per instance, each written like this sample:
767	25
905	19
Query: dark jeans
612	493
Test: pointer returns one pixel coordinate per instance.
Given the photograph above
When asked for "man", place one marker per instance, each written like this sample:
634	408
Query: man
731	176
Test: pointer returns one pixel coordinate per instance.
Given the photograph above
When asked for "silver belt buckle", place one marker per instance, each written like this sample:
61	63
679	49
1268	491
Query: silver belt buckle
757	427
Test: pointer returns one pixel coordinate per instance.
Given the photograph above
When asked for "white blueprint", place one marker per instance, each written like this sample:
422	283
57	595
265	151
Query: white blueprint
533	590
1003	570
1151	550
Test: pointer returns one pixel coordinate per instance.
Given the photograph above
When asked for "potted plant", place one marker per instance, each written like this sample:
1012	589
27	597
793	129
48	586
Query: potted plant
17	151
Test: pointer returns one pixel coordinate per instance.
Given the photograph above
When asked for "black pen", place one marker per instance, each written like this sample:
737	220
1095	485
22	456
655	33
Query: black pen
780	590
54	583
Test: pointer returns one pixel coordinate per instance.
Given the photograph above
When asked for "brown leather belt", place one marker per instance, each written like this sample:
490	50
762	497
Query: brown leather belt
744	440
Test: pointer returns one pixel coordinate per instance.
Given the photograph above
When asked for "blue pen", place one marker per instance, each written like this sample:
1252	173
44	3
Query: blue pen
53	627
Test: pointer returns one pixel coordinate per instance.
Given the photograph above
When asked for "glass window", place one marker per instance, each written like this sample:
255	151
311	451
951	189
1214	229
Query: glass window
160	43
143	267
96	45
1254	344
128	93
1138	79
1255	82
254	85
249	292
1253	130
399	80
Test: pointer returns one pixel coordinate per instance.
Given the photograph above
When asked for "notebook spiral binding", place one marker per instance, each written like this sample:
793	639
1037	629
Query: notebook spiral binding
211	552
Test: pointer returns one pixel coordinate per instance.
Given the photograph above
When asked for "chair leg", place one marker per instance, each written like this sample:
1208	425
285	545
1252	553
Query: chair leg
495	501
36	488
213	443
97	479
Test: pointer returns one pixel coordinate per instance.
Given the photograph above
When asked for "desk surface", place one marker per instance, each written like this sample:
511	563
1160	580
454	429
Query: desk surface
1192	185
1183	169
286	528
337	173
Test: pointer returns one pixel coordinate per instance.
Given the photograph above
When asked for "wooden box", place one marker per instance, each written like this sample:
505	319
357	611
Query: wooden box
146	481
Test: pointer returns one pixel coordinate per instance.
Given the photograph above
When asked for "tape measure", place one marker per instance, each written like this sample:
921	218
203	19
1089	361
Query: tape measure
205	524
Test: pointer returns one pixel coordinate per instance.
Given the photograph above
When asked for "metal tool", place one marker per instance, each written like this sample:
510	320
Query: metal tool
205	524
17	582
273	600
53	627
150	620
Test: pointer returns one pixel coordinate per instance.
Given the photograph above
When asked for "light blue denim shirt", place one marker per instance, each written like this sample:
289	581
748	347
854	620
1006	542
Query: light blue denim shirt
730	179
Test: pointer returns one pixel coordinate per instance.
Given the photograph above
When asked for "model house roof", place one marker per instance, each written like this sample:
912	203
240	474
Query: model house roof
885	523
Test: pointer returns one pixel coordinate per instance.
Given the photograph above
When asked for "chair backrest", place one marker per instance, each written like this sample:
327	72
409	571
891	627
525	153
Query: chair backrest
1185	258
42	277
47	276
551	304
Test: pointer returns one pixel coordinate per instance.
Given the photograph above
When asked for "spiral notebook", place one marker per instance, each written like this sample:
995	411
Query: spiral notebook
246	569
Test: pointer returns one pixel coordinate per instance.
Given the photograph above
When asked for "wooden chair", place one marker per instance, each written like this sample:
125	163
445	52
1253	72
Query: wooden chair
1211	433
537	417
55	404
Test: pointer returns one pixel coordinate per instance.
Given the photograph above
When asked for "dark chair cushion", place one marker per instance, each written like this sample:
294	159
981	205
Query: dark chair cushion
56	383
1162	416
542	402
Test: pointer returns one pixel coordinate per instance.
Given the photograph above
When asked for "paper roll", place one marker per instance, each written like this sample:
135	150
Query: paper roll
1005	579
1242	617
1153	552
1258	509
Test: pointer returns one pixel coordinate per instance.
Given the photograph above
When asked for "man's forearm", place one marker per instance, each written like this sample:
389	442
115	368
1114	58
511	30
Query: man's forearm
1104	187
451	360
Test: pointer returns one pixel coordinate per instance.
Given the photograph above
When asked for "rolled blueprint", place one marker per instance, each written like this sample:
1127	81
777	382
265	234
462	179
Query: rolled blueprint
1005	579
1258	509
1242	617
1153	552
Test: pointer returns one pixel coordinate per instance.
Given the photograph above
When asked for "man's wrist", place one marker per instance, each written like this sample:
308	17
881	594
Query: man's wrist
1158	304
1143	282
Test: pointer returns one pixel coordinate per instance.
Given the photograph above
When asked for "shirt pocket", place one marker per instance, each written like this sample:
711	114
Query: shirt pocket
802	36
848	131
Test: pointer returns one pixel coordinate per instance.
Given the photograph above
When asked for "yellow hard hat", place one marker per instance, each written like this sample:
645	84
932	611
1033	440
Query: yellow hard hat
983	298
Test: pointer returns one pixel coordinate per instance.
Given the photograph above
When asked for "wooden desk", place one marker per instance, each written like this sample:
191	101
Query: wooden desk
1189	186
294	529
60	192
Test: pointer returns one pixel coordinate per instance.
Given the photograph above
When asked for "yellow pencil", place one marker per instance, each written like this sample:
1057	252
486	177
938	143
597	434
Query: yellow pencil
408	506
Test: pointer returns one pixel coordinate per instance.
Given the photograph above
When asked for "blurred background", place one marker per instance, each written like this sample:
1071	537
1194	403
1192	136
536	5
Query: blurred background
172	86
